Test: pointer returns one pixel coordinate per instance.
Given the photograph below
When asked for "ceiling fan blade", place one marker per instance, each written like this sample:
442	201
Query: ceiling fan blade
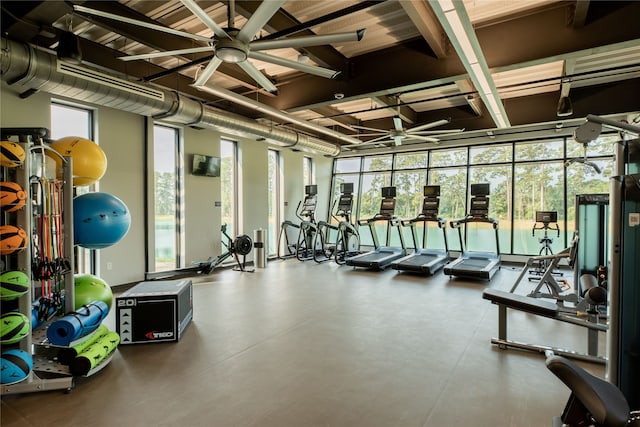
260	17
208	71
413	136
119	18
397	123
364	144
436	132
307	41
430	125
378	139
166	53
318	71
380	131
256	75
370	134
206	19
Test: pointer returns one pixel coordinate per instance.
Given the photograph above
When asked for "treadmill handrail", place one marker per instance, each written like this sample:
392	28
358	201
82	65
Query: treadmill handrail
377	217
423	218
455	223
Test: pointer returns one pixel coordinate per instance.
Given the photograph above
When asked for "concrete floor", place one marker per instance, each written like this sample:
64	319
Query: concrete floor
302	344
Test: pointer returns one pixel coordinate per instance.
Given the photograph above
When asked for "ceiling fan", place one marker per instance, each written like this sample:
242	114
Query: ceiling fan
399	134
236	46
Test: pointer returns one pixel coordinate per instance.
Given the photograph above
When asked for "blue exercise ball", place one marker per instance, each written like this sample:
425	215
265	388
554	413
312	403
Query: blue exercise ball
100	220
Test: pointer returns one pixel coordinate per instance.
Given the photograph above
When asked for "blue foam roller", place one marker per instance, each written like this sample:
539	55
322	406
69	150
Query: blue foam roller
77	324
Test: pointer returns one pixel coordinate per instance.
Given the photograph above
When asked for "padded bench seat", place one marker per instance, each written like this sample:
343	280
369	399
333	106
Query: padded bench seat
521	302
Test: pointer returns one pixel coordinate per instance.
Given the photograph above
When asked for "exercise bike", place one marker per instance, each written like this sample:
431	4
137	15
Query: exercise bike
593	401
545	221
241	245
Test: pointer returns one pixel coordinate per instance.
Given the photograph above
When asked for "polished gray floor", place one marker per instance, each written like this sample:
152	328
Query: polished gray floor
301	344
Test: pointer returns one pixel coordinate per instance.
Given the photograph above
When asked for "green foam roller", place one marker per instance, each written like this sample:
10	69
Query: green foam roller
66	355
94	354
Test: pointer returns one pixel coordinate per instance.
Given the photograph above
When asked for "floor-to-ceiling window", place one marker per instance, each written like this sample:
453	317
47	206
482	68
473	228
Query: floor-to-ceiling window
229	186
377	174
68	120
524	177
308	172
167	156
274	188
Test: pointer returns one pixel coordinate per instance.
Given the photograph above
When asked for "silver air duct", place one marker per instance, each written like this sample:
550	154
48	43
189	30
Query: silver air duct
35	69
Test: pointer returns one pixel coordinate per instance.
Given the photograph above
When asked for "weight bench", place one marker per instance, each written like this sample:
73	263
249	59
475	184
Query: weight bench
548	309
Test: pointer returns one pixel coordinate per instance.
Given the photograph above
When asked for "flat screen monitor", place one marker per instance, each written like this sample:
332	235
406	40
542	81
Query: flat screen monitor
346	187
546	216
204	165
388	192
480	189
432	190
311	190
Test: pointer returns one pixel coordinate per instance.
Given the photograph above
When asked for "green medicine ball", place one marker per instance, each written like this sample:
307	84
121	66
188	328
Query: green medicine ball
89	288
13	284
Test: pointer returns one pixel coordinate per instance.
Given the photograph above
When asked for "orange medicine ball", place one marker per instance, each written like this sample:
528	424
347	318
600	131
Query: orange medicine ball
12	196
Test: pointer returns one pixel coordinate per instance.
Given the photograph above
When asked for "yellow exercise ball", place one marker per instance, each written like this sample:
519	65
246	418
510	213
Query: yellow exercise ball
89	161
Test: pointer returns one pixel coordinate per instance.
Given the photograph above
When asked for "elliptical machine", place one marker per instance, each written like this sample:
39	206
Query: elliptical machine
305	245
305	211
347	241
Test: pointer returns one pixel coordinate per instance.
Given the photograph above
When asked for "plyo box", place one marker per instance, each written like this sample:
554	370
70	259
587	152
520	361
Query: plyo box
155	311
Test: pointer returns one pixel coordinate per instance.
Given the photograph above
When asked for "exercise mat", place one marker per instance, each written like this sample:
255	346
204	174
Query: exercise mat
94	354
77	324
66	354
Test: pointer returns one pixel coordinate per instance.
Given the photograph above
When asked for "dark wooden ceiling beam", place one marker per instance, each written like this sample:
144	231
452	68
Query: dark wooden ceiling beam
412	64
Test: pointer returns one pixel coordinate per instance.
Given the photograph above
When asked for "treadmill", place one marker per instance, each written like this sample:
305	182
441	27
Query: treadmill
382	256
472	264
424	260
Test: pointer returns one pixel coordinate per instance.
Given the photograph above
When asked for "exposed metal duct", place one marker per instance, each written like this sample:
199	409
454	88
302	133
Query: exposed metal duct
38	70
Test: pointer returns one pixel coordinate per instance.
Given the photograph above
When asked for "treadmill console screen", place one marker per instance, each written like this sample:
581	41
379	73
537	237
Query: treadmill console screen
480	189
479	207
388	207
311	190
546	216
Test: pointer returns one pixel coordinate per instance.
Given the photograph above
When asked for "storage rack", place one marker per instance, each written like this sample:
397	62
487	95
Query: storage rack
47	374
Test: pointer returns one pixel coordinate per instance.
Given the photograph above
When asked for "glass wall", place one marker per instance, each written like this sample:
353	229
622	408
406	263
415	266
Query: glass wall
166	161
524	177
228	187
308	172
274	186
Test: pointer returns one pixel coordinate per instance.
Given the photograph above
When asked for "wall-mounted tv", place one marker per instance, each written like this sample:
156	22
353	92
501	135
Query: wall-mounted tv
203	165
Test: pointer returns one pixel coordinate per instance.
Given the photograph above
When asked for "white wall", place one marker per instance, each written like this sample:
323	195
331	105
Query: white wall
122	137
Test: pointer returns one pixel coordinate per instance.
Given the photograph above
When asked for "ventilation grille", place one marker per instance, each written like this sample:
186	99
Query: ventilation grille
107	80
